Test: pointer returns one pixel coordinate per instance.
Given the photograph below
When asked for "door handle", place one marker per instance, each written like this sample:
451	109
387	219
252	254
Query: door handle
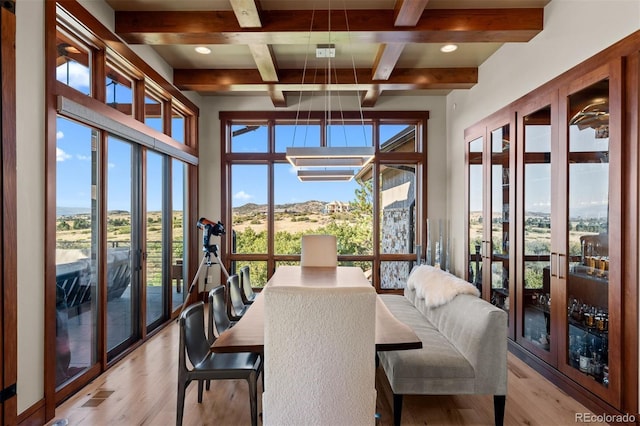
552	269
562	266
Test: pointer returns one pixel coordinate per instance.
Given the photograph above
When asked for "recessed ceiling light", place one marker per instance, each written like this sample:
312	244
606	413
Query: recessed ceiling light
203	50
449	48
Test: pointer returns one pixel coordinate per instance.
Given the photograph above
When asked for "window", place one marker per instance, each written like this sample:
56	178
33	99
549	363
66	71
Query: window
119	201
119	90
73	62
179	274
76	249
178	126
153	111
269	208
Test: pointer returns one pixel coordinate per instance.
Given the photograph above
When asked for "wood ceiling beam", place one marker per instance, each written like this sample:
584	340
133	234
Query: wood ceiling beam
224	80
366	26
370	97
278	98
265	61
405	13
408	12
386	59
247	13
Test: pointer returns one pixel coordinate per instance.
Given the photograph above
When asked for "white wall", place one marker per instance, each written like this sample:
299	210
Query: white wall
574	30
209	175
30	199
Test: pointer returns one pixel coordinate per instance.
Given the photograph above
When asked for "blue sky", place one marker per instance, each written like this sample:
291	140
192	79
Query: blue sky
250	181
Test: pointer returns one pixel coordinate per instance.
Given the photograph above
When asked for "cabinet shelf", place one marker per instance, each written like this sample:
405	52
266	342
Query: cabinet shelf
500	290
589	330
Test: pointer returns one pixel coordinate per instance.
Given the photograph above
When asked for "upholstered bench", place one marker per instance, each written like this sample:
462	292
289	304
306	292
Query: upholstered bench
464	341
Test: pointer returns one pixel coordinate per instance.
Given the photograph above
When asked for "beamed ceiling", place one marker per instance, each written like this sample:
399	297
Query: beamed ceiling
268	47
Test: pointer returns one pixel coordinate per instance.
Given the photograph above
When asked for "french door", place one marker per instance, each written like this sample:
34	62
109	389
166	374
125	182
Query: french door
124	252
138	241
113	283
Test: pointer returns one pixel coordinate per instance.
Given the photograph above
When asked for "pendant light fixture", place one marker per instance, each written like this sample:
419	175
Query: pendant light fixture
329	162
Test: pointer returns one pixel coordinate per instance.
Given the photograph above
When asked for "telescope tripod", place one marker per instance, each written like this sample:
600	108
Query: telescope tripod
205	262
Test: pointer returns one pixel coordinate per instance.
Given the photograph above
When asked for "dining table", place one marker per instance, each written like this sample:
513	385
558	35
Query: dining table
247	335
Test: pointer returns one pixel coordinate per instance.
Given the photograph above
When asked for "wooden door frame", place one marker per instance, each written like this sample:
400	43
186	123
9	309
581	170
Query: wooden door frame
8	232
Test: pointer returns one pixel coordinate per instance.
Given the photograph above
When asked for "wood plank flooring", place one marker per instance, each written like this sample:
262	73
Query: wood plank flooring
141	390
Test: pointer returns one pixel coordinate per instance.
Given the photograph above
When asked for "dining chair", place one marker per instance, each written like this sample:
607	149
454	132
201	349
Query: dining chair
248	295
319	356
207	365
319	250
217	321
235	306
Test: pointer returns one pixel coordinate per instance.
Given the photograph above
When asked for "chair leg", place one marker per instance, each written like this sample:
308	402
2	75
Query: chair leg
208	386
499	402
180	403
252	380
200	386
397	409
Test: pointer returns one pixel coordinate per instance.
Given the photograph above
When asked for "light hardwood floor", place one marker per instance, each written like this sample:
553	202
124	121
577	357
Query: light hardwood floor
141	390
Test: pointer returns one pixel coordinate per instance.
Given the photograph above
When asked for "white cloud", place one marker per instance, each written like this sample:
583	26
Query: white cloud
59	134
83	157
242	196
78	75
111	165
61	155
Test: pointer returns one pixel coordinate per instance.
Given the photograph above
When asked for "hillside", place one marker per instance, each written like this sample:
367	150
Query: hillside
311	207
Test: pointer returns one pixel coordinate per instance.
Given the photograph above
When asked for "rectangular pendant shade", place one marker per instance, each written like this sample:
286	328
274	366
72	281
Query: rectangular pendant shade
326	175
330	156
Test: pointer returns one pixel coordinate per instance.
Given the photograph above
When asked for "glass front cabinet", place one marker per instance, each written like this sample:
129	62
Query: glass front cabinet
545	203
490	194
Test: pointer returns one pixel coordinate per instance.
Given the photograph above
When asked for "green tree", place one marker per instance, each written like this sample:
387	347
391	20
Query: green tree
81	223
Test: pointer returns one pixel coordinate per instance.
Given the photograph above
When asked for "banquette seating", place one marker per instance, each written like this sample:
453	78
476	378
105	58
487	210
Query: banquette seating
464	341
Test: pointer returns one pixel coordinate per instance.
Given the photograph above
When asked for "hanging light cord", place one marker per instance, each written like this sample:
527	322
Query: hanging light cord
328	81
355	76
304	73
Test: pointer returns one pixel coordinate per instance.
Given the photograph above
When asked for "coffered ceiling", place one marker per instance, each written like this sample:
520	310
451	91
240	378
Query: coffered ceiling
270	46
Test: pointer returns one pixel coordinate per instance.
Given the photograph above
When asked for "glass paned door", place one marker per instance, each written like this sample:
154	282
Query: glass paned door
500	187
155	237
535	228
76	249
122	249
179	283
588	236
476	211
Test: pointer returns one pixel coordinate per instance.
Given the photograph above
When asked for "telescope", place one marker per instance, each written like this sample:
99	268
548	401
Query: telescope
209	228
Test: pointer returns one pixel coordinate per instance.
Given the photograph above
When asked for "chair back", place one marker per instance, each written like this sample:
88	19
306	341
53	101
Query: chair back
319	356
193	340
235	295
319	250
218	320
245	282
